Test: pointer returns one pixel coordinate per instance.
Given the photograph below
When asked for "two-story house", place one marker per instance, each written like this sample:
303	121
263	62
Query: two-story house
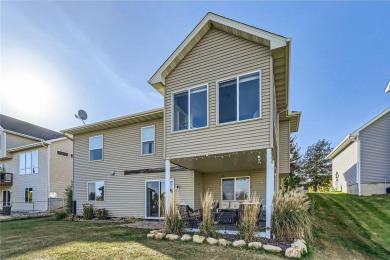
225	127
36	164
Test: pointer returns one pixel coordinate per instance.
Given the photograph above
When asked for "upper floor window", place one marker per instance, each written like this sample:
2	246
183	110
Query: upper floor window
96	148
239	98
28	162
190	109
147	139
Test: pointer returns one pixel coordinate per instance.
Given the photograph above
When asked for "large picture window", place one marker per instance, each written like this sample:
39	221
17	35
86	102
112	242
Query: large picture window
239	98
190	109
96	191
28	162
96	148
235	188
147	140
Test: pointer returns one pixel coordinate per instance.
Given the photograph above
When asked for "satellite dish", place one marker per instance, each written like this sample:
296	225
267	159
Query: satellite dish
82	115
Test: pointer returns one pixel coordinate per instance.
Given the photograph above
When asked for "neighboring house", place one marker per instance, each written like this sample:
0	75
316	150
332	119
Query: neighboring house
225	127
388	87
360	163
36	164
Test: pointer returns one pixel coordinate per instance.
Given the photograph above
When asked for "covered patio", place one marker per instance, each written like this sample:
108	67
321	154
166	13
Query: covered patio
232	177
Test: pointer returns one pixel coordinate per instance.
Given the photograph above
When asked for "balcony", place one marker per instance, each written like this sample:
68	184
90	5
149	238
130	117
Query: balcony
6	179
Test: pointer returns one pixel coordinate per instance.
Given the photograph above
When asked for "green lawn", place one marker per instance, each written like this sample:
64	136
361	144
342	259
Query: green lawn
346	227
351	225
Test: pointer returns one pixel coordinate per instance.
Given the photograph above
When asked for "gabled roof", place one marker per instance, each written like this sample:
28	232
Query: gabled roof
19	127
117	122
349	139
388	87
279	45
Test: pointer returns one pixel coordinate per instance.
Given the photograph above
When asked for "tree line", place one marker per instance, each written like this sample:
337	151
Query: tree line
310	169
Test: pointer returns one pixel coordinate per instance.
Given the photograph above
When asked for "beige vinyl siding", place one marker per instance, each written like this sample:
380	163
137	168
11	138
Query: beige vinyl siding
212	181
345	164
284	147
124	194
375	151
2	144
198	189
218	56
61	167
16	141
39	182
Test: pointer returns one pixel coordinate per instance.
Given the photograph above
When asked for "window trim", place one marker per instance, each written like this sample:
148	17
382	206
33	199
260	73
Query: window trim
104	198
159	201
89	148
154	141
32	199
25	160
237	77
188	90
235	178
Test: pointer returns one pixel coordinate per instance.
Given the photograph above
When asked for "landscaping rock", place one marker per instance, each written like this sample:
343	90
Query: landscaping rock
198	239
159	236
293	252
212	241
186	237
223	242
271	248
150	235
239	243
172	237
301	245
255	245
154	232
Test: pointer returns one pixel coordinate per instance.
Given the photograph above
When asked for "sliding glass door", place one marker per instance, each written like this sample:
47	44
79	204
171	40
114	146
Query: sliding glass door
6	198
155	198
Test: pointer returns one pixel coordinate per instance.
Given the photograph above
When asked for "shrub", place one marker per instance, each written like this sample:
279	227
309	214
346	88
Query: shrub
207	226
69	199
291	217
248	226
87	211
60	214
173	224
102	214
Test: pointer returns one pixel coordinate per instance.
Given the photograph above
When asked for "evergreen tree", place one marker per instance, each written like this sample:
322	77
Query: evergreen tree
295	176
316	169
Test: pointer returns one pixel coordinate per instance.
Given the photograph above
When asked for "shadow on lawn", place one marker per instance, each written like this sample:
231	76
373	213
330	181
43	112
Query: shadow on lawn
26	238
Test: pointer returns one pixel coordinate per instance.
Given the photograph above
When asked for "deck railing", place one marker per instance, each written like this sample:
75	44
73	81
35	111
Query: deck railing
6	179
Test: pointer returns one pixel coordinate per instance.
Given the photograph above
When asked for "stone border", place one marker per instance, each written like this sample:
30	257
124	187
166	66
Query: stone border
297	249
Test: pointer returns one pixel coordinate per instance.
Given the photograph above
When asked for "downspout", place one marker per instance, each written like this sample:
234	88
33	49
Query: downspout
357	140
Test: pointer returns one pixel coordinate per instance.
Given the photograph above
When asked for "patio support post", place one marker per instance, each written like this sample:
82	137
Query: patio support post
270	188
167	183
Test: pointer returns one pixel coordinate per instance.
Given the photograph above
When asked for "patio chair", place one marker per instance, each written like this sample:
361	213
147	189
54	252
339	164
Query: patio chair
192	217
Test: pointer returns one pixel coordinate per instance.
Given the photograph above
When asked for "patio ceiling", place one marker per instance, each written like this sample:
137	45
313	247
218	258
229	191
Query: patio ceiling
235	161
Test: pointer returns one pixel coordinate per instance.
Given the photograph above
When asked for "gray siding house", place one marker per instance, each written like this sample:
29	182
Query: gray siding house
225	127
360	163
36	164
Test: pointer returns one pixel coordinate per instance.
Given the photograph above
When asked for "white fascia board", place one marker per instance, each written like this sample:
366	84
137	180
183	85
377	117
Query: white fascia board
356	133
23	135
276	41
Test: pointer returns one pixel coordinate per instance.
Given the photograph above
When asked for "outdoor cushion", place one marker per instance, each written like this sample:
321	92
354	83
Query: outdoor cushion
224	205
234	205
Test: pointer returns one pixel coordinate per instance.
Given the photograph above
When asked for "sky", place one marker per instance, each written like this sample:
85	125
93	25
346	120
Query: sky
59	57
